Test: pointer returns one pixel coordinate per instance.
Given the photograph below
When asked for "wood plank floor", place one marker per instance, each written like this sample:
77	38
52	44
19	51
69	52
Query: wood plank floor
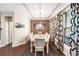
21	50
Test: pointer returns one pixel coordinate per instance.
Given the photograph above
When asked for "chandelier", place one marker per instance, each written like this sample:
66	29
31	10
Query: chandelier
40	25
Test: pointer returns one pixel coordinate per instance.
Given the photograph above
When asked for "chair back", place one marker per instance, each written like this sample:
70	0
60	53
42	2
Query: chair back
47	37
39	42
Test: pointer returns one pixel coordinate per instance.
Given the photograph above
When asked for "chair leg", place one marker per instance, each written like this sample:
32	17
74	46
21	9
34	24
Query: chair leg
47	47
35	52
43	52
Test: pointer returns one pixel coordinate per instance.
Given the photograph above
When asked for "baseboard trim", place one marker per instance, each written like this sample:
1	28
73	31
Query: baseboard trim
19	44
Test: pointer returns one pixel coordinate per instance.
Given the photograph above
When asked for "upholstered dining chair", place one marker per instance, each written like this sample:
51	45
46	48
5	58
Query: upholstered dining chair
39	45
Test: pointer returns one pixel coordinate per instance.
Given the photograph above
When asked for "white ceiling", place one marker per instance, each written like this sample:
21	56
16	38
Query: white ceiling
45	9
34	10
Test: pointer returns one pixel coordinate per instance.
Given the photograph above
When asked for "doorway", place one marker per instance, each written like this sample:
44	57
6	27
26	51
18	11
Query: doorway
8	20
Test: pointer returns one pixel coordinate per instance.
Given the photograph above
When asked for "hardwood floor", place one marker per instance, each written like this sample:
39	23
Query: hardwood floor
21	50
9	51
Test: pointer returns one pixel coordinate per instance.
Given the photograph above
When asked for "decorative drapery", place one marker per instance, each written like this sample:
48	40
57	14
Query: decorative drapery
74	29
60	32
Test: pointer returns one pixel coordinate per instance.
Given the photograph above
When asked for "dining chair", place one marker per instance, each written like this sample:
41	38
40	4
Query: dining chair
39	45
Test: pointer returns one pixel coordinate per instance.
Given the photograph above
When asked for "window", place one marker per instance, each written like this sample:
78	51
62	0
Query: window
67	27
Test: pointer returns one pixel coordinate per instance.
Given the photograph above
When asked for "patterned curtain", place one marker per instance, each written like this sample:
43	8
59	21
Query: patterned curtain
60	33
74	51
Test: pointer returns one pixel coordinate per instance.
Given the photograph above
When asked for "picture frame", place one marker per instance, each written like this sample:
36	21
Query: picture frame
19	25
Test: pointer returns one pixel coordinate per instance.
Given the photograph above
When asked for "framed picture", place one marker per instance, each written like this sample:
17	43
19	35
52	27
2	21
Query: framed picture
19	25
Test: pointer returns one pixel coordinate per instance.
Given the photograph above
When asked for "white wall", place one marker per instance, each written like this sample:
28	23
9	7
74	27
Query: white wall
3	40
21	33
